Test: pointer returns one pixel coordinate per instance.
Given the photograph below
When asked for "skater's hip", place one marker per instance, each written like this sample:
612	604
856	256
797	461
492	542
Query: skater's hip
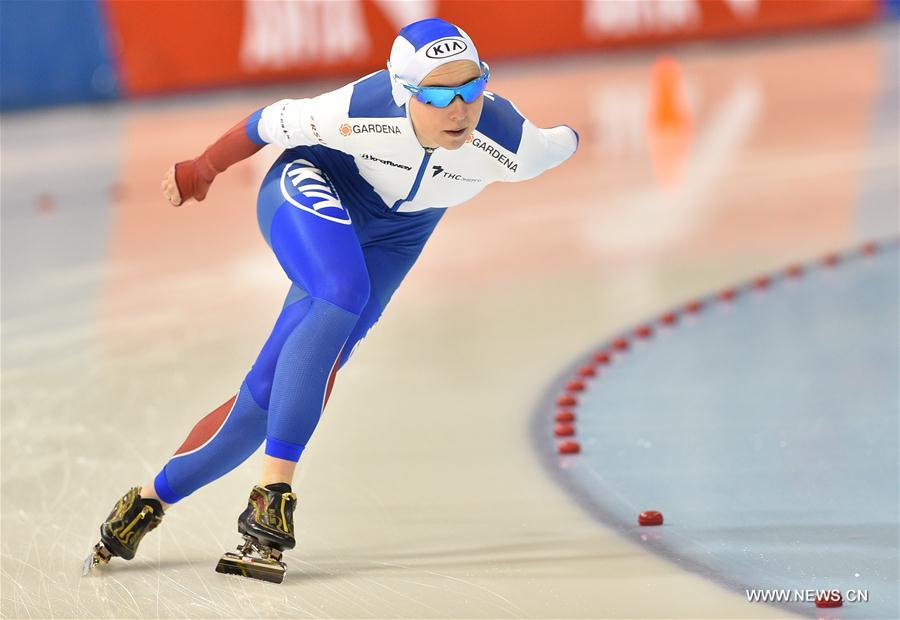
326	186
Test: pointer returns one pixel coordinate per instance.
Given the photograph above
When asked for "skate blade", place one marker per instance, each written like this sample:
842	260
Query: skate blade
98	555
255	568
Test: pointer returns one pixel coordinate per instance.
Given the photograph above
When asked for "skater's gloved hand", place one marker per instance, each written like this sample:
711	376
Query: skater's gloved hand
170	188
193	178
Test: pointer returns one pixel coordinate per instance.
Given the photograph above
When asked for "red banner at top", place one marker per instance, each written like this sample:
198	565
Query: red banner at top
189	44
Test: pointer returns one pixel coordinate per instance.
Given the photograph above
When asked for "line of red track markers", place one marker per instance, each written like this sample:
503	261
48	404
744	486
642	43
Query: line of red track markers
565	417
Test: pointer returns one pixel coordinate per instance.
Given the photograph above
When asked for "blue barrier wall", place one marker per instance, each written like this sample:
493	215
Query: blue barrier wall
892	8
54	52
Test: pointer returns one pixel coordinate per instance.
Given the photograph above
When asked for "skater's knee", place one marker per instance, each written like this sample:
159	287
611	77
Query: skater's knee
259	384
347	289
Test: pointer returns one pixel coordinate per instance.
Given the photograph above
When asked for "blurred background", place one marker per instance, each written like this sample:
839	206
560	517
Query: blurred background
720	139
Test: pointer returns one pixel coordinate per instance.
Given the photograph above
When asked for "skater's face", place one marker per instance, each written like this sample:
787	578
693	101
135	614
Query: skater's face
447	127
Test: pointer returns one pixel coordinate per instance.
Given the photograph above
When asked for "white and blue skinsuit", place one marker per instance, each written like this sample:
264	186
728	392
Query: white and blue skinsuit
346	209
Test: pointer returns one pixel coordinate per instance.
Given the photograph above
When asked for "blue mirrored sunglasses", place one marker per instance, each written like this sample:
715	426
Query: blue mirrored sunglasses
442	96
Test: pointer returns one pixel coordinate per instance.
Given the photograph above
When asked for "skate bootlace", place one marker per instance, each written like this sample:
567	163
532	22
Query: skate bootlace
272	514
284	499
125	534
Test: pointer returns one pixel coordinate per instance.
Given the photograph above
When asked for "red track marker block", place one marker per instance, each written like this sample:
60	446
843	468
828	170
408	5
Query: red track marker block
45	203
575	386
566	400
694	307
587	371
794	271
565	416
831	260
621	344
602	357
870	248
727	294
650	517
669	318
564	429
829	599
569	447
644	331
762	282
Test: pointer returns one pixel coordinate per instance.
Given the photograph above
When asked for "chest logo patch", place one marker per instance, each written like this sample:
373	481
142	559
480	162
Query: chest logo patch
446	174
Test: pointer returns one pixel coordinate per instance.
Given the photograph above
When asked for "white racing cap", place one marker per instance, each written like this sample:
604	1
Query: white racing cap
423	46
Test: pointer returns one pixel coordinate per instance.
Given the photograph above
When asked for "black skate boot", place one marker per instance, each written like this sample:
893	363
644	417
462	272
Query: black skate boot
267	525
121	533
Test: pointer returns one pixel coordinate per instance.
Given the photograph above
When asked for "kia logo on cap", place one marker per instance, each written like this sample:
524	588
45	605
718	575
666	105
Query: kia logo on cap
445	48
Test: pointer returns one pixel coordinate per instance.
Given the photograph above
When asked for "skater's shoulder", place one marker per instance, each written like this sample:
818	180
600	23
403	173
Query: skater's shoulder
501	122
371	97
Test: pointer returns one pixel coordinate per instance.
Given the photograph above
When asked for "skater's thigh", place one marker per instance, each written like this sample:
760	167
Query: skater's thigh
387	264
312	235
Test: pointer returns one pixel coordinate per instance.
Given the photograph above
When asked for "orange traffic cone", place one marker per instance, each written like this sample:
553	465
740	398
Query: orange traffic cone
669	123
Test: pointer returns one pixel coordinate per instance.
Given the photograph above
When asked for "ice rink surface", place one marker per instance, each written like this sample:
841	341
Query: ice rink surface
125	320
774	459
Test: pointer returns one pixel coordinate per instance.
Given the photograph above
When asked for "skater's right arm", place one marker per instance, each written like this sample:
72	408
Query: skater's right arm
191	179
288	123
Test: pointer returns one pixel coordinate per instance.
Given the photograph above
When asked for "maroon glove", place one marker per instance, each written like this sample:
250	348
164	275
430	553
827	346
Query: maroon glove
194	176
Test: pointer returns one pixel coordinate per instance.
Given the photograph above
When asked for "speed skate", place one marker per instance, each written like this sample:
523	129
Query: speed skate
253	560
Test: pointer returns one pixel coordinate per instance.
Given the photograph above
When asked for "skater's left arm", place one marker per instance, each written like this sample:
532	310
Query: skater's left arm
542	149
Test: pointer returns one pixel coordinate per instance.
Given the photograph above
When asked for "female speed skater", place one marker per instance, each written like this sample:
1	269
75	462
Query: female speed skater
366	174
